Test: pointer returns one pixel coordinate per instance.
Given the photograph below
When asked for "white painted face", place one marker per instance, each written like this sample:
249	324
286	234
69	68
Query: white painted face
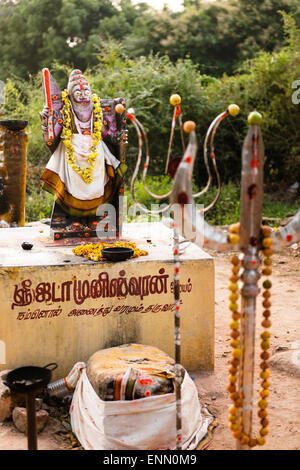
81	99
81	95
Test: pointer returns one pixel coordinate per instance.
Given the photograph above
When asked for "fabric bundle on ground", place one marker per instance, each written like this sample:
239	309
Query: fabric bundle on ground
130	372
147	422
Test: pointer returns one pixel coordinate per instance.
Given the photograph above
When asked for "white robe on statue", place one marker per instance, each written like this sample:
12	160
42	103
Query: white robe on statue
75	195
73	182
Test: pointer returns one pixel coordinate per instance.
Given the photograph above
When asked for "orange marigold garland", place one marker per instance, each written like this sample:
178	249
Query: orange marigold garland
92	251
86	172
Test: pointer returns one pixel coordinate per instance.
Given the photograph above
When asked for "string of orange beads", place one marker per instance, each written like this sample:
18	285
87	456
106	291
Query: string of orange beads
235	420
235	343
265	335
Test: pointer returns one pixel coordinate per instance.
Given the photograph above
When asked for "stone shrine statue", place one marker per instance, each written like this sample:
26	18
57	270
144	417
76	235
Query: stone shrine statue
87	136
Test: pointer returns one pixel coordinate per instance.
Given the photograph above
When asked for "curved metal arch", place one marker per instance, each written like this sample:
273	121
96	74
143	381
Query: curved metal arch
210	133
140	130
213	157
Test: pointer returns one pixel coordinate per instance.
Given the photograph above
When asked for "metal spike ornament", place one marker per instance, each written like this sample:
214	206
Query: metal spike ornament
256	244
177	339
175	100
189	126
252	239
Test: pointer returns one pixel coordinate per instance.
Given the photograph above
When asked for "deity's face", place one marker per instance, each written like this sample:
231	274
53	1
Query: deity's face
80	96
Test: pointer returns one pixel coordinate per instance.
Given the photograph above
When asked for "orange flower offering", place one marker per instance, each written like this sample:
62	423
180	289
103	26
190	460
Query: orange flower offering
93	251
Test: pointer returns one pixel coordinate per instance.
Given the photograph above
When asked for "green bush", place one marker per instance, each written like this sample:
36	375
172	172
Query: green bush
265	83
225	212
38	205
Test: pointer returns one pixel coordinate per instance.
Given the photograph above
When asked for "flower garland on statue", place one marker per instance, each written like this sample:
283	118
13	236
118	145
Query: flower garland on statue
85	173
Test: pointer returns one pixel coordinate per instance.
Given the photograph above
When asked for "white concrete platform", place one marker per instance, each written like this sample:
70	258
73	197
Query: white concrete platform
156	238
58	307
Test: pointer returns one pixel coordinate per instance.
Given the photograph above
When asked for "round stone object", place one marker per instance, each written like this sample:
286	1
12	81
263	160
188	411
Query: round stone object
20	419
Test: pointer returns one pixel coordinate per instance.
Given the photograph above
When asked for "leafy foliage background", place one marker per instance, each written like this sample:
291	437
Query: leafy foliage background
211	54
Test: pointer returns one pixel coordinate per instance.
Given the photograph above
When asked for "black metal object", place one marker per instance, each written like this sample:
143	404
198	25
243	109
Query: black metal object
14	125
29	381
117	253
27	245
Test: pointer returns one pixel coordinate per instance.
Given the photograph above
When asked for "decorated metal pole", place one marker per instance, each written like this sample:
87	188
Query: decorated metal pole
253	242
250	238
177	340
250	229
175	101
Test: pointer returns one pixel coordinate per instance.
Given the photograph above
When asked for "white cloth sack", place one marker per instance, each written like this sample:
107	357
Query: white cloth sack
74	374
143	424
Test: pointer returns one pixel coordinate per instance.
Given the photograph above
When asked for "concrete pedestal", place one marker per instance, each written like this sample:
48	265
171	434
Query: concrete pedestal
57	307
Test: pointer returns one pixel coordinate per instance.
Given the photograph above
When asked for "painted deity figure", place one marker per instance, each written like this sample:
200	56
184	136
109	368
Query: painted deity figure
82	172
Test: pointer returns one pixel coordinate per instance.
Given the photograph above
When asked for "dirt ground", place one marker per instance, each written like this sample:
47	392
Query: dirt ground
284	400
